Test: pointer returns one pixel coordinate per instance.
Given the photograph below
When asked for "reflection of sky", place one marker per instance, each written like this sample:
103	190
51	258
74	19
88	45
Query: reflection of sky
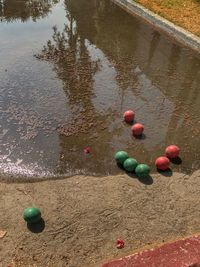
33	35
32	87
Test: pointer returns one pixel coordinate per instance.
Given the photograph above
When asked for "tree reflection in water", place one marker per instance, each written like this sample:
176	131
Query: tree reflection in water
72	60
11	10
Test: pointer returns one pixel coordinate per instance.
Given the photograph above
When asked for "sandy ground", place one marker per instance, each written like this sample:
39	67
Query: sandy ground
84	216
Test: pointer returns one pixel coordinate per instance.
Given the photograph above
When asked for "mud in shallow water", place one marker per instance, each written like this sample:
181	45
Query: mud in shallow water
68	75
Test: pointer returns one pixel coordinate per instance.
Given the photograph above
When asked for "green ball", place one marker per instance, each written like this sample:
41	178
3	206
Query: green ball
32	215
121	156
142	170
130	164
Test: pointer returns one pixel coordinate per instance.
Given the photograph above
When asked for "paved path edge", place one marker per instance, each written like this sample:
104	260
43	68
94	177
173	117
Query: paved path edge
183	252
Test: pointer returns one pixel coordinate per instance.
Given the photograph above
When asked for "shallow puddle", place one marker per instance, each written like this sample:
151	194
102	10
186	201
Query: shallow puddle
69	70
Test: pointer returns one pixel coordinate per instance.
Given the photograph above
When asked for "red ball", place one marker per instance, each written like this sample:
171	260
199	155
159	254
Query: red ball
129	116
137	129
162	163
172	151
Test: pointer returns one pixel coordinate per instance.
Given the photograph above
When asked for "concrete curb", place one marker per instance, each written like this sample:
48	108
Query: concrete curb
176	32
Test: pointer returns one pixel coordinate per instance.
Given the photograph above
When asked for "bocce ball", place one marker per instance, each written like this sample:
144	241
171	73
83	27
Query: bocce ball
129	116
142	170
120	157
130	164
162	163
137	129
32	215
172	151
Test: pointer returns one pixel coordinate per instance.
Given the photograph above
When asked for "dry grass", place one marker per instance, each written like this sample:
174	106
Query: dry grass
185	13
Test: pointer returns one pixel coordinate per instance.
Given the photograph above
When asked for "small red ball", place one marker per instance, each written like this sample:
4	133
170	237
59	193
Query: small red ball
162	163
129	116
137	129
172	151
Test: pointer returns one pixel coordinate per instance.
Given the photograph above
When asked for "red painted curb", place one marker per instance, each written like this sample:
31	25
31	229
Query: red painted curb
181	253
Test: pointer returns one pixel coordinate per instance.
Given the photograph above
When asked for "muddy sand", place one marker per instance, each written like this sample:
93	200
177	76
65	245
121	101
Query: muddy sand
83	217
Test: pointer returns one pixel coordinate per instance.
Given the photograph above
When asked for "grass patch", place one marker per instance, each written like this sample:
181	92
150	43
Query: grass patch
185	13
173	3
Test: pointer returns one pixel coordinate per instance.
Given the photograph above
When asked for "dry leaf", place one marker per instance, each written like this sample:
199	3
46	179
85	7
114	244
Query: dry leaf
2	233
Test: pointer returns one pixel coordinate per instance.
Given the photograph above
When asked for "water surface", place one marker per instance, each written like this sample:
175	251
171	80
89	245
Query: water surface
70	69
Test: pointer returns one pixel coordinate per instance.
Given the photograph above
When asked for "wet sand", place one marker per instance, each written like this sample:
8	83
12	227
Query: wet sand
84	216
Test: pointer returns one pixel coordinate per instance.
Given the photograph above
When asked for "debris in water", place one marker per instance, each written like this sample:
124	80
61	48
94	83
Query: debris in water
87	150
19	161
